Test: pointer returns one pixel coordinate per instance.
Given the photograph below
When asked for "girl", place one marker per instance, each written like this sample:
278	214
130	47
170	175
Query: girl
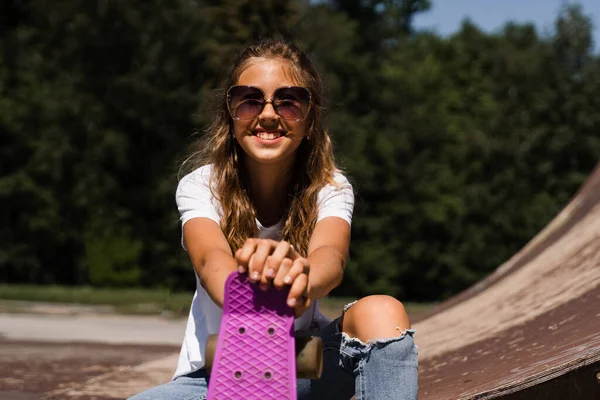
265	198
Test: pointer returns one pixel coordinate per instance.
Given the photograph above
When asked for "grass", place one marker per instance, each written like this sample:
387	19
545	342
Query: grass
139	301
126	301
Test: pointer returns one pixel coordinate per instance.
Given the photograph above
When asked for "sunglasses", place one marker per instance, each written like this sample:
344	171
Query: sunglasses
291	103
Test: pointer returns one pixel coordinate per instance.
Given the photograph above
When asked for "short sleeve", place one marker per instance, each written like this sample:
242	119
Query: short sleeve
336	200
194	198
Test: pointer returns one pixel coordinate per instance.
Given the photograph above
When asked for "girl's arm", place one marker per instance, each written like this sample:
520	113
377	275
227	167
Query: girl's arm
210	255
327	255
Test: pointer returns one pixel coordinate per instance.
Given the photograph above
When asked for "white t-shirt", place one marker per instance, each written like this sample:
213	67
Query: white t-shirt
195	200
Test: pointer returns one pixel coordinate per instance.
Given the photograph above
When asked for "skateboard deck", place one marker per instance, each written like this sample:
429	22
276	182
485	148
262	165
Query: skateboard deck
255	353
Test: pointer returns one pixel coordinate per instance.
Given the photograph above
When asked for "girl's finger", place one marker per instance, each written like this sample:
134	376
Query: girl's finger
297	296
243	254
257	263
273	262
284	269
293	254
300	266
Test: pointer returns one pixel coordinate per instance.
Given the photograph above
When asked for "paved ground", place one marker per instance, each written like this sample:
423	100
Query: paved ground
45	370
64	352
92	328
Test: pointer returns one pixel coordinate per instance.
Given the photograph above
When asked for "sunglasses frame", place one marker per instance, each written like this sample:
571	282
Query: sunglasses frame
266	101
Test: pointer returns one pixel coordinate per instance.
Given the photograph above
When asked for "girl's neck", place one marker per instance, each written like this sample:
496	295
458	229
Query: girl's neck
268	188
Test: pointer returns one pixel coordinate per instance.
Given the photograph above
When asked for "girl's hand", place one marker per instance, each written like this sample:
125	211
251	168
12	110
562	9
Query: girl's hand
278	263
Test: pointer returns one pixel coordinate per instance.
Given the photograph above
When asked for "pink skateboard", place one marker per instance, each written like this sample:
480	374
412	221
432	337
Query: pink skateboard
254	355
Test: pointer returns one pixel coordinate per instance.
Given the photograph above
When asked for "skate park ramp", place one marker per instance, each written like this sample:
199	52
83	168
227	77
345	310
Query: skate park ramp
530	330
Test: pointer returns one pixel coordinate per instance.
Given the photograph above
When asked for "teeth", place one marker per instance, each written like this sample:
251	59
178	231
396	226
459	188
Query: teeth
267	136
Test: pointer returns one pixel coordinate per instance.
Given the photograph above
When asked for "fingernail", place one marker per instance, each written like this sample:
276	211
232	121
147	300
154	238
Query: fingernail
264	287
255	276
288	279
241	269
291	302
271	273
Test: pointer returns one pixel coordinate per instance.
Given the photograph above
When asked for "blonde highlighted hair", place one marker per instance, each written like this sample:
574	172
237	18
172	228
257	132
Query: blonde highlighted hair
315	165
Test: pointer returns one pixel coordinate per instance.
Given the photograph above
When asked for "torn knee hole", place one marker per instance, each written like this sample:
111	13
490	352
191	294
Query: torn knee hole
402	331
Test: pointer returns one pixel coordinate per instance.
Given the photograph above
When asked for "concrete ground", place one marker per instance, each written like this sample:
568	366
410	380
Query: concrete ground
66	352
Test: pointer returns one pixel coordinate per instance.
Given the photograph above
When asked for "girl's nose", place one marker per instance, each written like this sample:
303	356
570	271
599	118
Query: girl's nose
268	113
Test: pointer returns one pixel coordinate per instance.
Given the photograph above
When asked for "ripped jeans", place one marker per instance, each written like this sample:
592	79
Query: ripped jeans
381	370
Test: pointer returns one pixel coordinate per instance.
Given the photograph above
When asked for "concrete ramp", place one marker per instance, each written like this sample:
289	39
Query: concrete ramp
531	330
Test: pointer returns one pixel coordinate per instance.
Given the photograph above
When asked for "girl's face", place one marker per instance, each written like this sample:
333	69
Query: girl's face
269	139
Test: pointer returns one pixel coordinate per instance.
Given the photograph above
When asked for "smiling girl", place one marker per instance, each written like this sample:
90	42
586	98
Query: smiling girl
264	197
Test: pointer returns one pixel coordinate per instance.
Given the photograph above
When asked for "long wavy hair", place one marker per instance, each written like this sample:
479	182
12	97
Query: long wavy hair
315	164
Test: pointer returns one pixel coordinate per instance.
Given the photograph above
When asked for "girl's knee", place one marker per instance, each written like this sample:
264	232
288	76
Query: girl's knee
378	307
374	316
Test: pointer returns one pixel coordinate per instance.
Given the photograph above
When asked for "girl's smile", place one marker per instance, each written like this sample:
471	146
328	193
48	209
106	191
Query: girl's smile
267	138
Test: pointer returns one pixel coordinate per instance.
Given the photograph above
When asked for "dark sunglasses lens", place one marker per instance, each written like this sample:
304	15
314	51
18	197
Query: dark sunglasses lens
292	102
245	102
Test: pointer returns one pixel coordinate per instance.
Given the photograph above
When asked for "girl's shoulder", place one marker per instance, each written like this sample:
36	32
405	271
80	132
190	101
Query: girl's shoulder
338	186
336	199
339	181
202	172
199	176
196	183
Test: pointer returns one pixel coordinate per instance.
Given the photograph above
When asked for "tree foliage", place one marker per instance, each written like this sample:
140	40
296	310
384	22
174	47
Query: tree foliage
460	148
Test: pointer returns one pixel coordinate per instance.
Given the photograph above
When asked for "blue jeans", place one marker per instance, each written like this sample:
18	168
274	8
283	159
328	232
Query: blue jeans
381	370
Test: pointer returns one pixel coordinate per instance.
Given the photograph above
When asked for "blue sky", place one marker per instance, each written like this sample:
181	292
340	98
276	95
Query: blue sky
445	16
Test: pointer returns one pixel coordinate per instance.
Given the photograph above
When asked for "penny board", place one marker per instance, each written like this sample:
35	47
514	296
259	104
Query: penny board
255	354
